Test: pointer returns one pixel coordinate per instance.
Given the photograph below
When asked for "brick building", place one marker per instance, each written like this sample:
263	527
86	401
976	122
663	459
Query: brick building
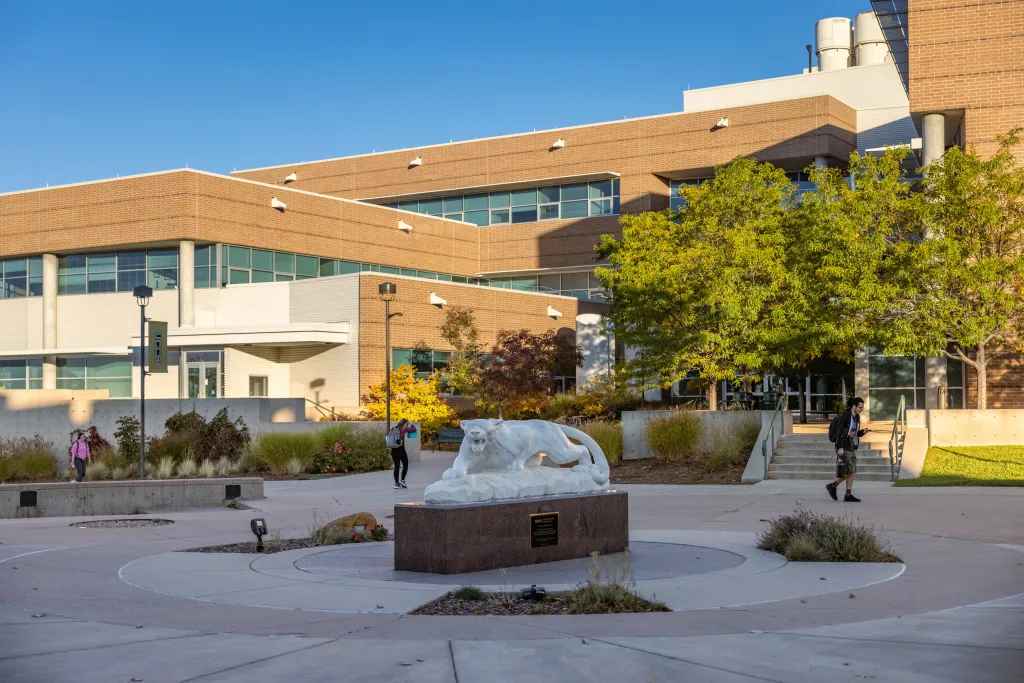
268	277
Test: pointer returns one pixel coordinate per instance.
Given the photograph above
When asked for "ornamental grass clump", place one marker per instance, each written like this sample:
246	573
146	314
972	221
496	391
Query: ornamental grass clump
675	436
610	587
608	436
804	536
468	593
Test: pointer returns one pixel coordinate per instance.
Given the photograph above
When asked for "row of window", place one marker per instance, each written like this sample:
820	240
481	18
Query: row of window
113	373
117	271
21	277
799	178
578	200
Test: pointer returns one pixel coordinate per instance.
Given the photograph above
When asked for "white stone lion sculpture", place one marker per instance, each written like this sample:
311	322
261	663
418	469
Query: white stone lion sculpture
505	459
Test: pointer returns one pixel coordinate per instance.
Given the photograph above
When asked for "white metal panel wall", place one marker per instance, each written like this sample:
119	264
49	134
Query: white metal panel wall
881	127
241	363
243	305
861	87
108	319
14	332
325	300
332	377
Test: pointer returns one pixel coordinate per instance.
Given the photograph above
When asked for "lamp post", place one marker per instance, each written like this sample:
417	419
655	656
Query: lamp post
143	294
387	291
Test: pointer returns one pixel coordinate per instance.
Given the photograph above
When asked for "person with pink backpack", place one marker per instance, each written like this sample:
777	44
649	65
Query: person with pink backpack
79	457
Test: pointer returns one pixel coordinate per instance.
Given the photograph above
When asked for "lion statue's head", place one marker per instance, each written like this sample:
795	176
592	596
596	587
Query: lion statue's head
480	433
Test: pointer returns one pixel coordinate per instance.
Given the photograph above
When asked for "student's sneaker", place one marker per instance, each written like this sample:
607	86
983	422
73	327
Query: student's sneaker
398	486
850	498
402	484
831	488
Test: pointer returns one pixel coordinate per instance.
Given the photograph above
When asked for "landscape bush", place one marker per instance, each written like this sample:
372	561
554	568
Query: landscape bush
610	587
675	436
804	536
730	446
608	436
339	448
27	459
127	437
275	449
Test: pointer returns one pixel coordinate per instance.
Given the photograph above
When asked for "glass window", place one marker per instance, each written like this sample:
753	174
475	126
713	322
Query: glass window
306	265
891	371
16	268
238	277
238	257
499	200
127	260
15	287
389	270
127	280
262	276
524	197
475	202
71	265
399	357
578	191
103	263
476	217
453	216
345	267
452	204
426	274
409	272
163	258
262	260
524	284
549	283
574	209
575	280
328	267
601	207
524	214
108	366
258	386
201	277
202	256
35	266
431	207
595	282
102	282
283	277
163	278
445	278
601	189
71	284
547	195
498	217
548	212
409	206
284	263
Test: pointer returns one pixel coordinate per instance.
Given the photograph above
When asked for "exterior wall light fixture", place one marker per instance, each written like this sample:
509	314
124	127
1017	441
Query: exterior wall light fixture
722	122
435	300
291	178
558	144
552	313
404	227
276	203
416	162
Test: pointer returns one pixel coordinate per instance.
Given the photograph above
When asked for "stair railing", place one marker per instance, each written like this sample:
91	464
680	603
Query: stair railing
324	410
899	432
768	452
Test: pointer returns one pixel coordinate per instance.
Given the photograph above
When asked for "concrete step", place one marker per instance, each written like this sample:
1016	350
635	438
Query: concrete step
810	439
861	476
787	458
824	467
785	449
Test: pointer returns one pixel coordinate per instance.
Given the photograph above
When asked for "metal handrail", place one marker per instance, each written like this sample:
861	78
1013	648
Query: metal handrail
334	415
899	432
771	435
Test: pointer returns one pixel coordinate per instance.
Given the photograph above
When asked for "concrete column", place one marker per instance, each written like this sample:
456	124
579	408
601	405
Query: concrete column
186	283
821	161
861	380
934	376
49	319
933	142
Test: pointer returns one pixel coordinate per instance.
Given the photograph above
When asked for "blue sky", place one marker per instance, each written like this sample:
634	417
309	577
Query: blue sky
96	89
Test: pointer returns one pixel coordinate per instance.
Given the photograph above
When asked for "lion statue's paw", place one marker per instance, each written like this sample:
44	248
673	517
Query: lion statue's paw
452	473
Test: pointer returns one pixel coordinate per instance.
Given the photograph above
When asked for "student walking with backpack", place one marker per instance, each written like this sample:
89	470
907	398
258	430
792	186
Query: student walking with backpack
79	456
396	444
845	432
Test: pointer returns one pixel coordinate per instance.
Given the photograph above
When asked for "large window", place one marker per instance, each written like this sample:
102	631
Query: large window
800	180
583	285
113	373
243	265
21	277
423	361
21	373
117	271
578	200
892	377
956	375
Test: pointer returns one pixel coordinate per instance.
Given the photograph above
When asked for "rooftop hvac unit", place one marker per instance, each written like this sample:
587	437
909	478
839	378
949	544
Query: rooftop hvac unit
834	38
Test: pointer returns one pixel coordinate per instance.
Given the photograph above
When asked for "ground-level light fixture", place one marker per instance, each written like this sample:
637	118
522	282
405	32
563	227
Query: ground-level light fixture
259	529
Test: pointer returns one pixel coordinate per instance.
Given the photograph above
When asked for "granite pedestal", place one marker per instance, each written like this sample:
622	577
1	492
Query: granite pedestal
474	537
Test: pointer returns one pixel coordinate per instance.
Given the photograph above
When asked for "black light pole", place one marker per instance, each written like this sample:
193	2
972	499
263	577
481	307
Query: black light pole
387	295
142	294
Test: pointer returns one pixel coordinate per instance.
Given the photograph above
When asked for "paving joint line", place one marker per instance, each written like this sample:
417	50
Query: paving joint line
106	646
259	661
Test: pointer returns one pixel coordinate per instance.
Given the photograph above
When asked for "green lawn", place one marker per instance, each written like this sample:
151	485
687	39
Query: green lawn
971	466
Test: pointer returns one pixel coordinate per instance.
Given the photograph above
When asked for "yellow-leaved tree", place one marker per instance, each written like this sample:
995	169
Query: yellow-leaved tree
412	398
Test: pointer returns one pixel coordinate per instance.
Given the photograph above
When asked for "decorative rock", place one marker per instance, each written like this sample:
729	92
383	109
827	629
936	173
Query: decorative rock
341	529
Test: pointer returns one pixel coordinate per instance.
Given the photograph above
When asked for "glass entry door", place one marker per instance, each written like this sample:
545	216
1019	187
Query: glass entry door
204	374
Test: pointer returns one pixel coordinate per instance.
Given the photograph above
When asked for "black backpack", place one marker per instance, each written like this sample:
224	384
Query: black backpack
833	428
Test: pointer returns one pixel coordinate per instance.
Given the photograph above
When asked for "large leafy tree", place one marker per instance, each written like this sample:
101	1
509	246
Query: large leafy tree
690	288
962	283
458	328
523	366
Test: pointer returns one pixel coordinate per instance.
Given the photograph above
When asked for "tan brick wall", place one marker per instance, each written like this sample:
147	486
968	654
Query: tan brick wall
789	132
494	309
1005	383
969	55
166	207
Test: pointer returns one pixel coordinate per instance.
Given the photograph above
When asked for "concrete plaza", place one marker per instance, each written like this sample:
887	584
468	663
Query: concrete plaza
105	605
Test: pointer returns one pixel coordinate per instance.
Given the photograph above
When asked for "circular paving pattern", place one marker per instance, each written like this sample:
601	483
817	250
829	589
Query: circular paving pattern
649	560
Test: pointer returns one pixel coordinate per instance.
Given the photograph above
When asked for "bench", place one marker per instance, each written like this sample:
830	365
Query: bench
450	435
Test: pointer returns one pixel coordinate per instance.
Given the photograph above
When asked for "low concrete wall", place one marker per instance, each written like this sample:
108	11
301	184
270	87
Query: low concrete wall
974	427
122	497
634	428
915	444
412	446
755	469
54	414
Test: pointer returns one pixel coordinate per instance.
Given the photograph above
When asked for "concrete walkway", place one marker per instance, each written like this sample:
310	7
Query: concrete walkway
69	610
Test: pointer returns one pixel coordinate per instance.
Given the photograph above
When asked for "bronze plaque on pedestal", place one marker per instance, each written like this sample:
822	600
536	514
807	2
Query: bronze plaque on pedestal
544	530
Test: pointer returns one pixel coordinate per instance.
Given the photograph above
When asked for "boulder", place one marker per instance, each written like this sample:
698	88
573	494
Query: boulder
340	530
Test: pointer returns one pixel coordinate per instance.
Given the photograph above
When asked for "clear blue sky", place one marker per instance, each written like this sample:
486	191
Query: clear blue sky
95	89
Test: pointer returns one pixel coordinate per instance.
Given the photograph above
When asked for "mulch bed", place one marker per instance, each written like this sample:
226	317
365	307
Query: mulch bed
120	523
656	471
448	605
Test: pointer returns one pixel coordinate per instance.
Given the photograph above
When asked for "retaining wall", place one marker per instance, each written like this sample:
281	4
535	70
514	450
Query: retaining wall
122	497
634	428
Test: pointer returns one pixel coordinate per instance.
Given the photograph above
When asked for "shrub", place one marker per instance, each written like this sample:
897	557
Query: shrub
802	548
675	436
179	447
127	437
164	468
207	469
836	539
98	471
24	458
117	473
380	533
277	449
294	466
610	587
224	466
250	462
188	467
468	593
185	423
608	436
363	451
731	446
418	400
224	438
97	444
220	437
8	469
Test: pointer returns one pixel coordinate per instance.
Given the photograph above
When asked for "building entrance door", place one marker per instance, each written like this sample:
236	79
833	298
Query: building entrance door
203	374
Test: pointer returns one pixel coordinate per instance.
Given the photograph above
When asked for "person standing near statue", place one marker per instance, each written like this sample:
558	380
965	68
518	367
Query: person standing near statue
396	444
79	456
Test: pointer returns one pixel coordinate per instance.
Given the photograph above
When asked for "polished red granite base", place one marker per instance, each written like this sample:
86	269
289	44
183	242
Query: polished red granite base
455	539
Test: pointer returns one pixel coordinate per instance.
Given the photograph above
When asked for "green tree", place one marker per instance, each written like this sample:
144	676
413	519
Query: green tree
961	282
458	328
690	289
524	366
